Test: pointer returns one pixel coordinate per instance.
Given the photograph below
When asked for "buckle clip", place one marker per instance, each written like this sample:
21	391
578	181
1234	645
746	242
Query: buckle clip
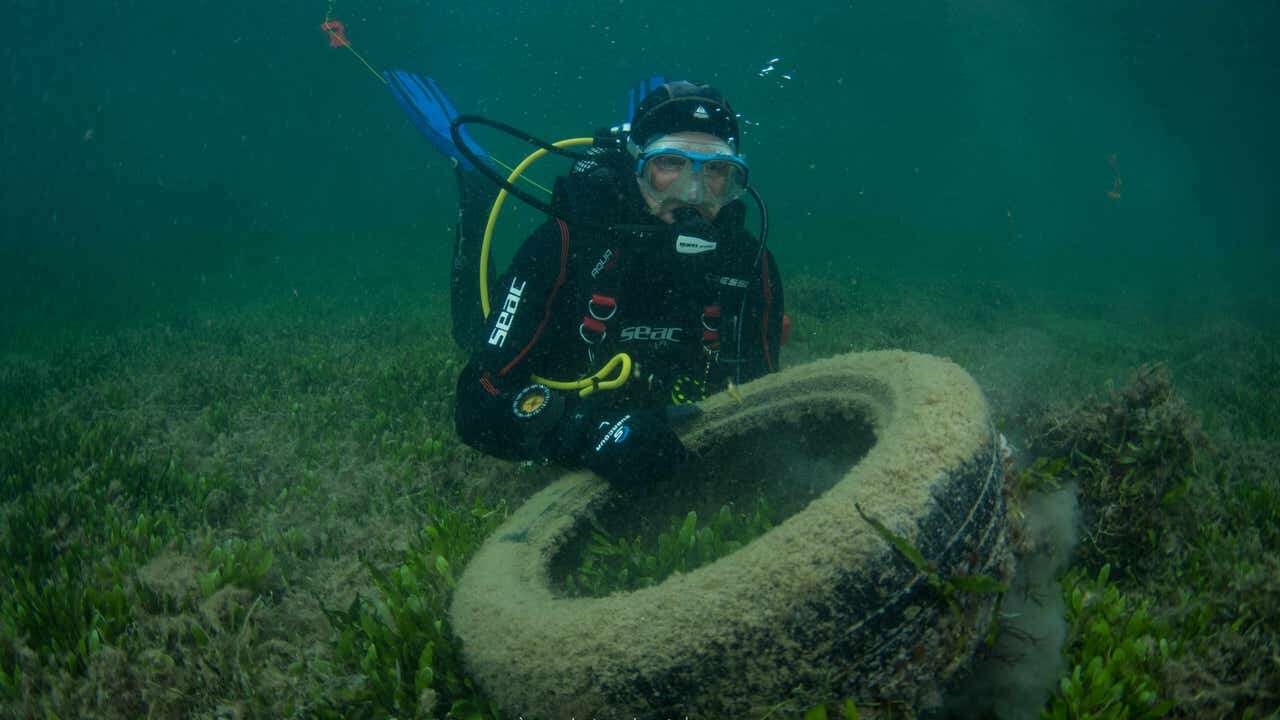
711	319
595	326
609	305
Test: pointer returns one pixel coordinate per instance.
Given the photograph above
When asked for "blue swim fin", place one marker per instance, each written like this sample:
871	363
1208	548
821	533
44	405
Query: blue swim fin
432	113
638	91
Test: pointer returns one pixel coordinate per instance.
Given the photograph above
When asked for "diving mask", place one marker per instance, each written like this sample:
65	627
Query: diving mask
690	172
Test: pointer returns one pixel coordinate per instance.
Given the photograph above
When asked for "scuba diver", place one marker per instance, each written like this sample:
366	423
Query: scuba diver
644	287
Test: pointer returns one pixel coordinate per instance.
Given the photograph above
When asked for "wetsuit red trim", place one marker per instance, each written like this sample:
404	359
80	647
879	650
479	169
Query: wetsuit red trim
767	291
551	296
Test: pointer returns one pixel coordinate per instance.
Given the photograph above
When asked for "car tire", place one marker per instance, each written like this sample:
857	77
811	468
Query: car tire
822	606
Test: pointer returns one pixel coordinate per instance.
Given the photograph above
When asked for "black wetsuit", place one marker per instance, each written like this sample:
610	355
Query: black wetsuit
693	314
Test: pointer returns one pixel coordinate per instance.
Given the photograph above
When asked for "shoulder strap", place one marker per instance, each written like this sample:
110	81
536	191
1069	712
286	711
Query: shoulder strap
588	196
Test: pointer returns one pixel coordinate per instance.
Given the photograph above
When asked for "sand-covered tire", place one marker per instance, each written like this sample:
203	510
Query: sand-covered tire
819	607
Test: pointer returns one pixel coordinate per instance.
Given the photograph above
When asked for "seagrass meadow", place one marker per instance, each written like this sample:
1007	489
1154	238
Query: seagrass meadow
261	510
230	483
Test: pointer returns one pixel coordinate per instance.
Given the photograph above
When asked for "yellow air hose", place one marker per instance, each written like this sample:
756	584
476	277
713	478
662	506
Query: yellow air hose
585	386
620	362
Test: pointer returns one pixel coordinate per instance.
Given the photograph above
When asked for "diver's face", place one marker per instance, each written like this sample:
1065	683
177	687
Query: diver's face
663	171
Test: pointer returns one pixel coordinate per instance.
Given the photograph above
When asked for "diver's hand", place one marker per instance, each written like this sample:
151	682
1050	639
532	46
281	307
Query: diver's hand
629	449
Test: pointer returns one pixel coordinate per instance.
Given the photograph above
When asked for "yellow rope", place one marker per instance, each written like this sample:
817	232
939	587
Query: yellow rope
366	62
531	181
328	16
621	363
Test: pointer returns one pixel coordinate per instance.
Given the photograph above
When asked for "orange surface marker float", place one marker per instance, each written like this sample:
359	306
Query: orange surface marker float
337	33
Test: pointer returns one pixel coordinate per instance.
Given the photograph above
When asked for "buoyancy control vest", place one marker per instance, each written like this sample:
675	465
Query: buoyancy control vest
672	297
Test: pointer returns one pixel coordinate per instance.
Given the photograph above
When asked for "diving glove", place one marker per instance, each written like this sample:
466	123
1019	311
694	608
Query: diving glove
629	449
